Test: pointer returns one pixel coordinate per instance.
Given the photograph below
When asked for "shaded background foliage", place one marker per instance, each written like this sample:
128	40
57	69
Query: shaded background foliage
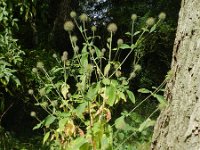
40	33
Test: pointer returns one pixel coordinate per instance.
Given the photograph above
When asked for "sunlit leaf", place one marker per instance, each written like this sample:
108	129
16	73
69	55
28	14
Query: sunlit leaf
131	96
49	120
46	136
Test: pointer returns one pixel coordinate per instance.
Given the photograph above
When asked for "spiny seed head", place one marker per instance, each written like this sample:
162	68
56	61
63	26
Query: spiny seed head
162	16
74	39
89	68
40	65
68	26
42	92
150	21
103	50
54	55
92	51
137	68
83	17
65	56
44	104
132	75
118	73
73	14
34	70
112	27
76	49
133	17
94	28
79	86
120	42
30	91
54	103
33	114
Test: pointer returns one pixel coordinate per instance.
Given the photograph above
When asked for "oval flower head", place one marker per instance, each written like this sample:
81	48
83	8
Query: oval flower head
112	27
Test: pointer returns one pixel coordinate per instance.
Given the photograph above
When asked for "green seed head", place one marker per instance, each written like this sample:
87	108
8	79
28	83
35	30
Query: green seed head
133	17
120	42
65	56
150	21
137	68
73	14
112	27
162	16
74	39
76	49
42	92
68	26
94	28
30	91
34	70
40	65
83	17
54	55
33	114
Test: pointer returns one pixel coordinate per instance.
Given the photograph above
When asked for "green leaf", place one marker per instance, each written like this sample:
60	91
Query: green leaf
153	28
122	125
62	122
107	69
128	33
143	90
136	33
122	96
111	94
106	81
92	92
124	46
39	125
46	136
131	96
147	123
77	143
161	99
49	120
65	90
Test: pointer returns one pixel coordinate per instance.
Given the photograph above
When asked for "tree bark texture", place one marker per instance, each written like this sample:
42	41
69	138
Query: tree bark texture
178	126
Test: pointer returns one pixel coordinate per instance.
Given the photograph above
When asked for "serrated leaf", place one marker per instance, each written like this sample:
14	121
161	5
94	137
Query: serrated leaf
46	136
131	96
144	90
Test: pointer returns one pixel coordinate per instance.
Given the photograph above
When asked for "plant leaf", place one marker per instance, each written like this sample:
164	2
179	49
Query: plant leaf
49	120
144	90
131	96
46	136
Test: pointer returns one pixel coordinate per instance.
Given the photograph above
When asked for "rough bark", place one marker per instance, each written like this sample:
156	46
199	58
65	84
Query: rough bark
178	126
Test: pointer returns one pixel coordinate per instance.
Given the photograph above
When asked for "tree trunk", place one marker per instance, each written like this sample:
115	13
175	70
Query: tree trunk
178	126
